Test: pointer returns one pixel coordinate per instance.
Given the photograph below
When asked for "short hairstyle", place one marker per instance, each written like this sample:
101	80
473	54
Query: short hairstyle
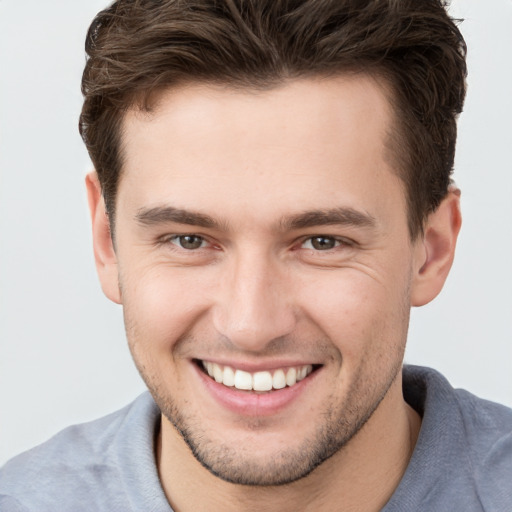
137	48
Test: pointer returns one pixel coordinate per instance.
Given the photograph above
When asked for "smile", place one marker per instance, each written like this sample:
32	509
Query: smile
257	381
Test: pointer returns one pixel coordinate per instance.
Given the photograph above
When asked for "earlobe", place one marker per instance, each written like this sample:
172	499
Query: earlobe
435	250
104	253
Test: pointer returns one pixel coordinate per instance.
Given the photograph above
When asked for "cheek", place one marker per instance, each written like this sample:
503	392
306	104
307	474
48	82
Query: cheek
361	315
160	305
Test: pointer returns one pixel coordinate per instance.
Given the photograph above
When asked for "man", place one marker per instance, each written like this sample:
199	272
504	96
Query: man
271	196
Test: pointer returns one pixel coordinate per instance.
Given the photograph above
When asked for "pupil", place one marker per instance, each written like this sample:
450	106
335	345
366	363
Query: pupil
190	242
322	243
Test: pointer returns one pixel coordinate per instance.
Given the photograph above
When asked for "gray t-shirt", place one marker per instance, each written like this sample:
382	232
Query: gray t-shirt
462	460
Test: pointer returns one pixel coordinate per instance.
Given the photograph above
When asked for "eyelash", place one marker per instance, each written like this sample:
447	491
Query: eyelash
175	238
338	242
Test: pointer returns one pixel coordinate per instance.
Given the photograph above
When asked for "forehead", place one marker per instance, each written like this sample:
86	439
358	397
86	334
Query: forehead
306	140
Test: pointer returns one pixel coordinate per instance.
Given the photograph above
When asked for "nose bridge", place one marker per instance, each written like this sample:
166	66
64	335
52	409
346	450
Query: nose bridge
254	306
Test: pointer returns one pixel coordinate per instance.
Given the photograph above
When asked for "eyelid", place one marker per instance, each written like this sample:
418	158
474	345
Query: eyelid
340	241
170	238
309	241
175	238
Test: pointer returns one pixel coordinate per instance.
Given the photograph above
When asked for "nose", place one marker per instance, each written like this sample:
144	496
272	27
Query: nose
255	303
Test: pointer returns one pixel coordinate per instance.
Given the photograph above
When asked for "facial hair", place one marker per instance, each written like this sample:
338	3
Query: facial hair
337	424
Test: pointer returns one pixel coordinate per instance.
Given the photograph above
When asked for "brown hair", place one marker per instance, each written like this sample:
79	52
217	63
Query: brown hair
138	47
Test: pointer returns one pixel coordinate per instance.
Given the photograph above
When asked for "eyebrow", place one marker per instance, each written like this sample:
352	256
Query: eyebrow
165	214
328	217
334	216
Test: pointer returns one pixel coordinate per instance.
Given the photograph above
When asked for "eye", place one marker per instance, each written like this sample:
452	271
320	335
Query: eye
321	243
189	242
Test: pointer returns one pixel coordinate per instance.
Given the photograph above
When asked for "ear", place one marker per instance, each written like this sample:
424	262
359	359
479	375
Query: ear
435	250
104	253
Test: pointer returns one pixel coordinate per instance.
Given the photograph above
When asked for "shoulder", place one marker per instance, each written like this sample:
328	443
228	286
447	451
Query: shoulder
465	443
66	472
428	389
487	429
483	423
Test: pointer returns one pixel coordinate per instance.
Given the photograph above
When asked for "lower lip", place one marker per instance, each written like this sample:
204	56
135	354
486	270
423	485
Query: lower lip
248	403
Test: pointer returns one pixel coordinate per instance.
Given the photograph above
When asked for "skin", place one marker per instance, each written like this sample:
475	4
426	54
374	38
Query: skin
258	294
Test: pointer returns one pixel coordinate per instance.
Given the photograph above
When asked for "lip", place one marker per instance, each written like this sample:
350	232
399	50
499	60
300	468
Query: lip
246	403
261	366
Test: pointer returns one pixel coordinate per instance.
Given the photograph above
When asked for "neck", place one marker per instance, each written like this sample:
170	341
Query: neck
362	476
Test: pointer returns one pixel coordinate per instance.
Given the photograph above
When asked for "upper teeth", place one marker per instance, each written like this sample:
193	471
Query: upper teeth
258	381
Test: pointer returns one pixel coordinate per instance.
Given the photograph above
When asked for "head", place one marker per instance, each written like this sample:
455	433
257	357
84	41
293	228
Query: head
276	175
139	48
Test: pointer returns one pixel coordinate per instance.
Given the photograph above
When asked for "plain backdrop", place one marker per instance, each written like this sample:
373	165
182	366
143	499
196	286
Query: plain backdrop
63	355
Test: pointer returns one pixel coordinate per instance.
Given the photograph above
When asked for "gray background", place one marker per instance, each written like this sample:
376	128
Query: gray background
63	357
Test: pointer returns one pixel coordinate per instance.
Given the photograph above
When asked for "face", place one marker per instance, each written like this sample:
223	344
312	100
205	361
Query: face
264	268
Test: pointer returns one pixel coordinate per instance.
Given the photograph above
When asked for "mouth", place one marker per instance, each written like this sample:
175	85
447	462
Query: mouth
260	381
